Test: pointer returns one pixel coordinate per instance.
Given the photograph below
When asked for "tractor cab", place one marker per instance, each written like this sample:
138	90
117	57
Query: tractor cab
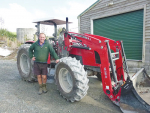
54	22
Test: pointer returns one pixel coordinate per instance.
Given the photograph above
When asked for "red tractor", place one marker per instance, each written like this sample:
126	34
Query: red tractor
82	55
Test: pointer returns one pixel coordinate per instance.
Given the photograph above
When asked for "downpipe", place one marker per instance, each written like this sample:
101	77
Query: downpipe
137	74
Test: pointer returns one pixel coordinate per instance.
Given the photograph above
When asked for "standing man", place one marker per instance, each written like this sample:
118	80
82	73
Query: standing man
39	52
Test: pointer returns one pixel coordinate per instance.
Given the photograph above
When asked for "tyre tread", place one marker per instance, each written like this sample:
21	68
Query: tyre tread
80	78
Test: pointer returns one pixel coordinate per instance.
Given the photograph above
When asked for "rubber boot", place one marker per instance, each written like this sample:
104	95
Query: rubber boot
40	89
44	88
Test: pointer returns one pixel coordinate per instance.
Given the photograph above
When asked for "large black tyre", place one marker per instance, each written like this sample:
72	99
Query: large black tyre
99	76
25	64
71	79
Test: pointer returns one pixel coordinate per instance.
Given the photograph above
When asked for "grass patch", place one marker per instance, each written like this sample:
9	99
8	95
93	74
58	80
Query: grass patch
9	38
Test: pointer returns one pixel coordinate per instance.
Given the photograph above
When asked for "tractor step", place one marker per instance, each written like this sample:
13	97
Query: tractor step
116	54
111	62
115	59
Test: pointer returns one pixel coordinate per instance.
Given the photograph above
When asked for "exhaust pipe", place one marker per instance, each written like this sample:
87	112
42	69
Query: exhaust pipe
67	24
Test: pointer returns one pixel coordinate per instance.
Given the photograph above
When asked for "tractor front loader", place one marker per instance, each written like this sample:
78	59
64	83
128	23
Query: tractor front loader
86	54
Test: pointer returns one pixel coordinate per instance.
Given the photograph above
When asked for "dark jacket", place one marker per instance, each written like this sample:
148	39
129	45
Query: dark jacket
41	52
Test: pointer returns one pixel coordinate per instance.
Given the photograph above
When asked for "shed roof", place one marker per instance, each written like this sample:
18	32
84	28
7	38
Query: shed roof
95	3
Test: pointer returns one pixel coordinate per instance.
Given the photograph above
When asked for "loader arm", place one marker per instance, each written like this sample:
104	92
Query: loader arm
122	88
99	44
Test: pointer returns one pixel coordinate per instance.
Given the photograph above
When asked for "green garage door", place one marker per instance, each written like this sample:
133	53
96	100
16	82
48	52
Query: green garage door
127	27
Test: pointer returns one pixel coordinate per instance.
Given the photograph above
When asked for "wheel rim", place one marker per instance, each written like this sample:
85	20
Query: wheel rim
24	64
65	80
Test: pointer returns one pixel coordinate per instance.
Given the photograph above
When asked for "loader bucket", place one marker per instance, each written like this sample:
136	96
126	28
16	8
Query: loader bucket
130	101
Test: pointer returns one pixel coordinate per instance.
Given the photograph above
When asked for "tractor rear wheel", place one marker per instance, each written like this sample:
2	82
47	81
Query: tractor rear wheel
24	63
71	79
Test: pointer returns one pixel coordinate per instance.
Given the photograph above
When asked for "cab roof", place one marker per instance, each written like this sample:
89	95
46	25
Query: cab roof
51	21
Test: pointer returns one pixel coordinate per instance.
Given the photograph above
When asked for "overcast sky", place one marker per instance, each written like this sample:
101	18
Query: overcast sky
21	13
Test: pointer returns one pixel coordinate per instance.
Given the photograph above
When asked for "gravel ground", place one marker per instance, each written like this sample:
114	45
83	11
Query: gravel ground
19	96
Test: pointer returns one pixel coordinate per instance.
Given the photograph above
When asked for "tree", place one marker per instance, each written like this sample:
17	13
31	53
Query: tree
59	30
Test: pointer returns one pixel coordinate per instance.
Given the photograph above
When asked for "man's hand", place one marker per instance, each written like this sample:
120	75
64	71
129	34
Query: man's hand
33	58
57	61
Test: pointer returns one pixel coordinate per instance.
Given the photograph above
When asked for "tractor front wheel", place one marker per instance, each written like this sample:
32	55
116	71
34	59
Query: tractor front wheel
99	76
71	79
